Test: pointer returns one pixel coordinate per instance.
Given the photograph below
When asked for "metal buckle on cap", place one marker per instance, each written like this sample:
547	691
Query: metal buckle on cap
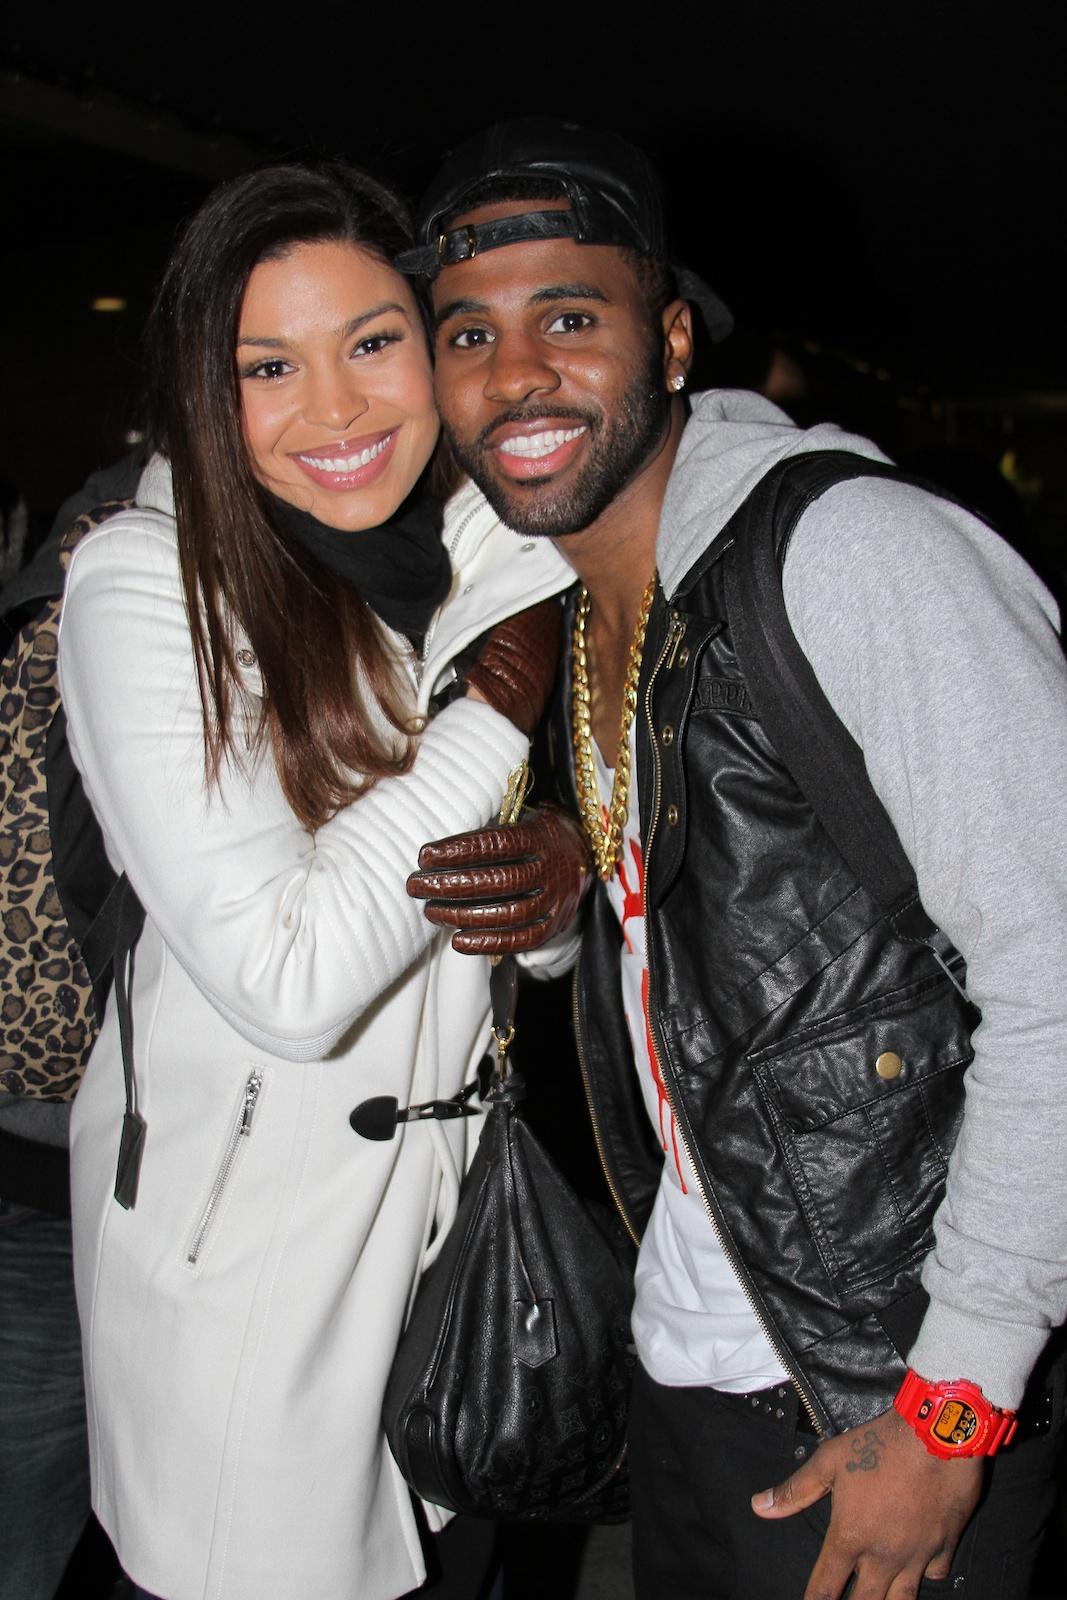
457	237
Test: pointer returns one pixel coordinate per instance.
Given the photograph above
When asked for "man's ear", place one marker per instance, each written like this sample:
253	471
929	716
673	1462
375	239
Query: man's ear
677	322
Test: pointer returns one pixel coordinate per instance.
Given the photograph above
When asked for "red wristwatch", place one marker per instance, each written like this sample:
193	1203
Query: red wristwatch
953	1419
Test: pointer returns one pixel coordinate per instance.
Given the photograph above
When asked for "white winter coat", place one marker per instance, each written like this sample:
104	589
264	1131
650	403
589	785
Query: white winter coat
239	1322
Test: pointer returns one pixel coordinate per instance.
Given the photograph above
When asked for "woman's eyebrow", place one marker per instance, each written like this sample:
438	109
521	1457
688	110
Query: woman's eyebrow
355	323
351	326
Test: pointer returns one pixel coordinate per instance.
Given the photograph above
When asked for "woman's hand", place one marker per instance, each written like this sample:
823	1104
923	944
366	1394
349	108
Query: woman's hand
509	887
516	665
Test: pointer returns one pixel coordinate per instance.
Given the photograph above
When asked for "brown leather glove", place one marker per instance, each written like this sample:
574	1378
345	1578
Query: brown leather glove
508	887
516	665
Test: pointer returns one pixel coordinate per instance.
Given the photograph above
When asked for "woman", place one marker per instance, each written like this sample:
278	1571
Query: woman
247	662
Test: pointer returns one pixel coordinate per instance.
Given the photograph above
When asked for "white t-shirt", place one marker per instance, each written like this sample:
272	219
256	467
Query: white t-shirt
692	1321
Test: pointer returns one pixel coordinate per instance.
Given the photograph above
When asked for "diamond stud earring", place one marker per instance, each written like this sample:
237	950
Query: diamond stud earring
678	382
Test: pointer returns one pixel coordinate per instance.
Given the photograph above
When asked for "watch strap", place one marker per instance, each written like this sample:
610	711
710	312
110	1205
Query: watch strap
920	1401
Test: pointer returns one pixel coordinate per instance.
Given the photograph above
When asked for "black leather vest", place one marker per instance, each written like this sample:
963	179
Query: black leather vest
813	1058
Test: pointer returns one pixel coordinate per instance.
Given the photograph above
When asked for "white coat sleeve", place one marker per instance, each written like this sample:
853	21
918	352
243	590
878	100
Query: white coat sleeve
936	646
290	935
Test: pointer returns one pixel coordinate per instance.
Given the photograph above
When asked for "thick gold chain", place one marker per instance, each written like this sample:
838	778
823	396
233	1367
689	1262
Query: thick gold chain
606	842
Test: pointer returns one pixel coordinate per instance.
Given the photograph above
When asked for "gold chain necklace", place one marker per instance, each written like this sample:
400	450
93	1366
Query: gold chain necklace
606	842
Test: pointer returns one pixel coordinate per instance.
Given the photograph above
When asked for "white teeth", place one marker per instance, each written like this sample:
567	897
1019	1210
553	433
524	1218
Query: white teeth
538	444
347	463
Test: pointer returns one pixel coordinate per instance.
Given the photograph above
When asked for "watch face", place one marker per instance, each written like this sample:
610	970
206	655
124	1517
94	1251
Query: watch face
955	1423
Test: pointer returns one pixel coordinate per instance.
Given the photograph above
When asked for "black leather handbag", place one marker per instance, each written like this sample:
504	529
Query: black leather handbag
509	1390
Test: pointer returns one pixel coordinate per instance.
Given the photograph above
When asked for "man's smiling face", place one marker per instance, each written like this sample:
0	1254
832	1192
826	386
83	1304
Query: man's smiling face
550	375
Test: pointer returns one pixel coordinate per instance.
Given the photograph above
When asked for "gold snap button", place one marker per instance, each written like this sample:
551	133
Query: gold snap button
889	1065
672	815
246	657
683	658
667	736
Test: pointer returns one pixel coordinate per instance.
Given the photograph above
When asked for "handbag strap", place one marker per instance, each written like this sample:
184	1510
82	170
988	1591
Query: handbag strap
503	991
378	1117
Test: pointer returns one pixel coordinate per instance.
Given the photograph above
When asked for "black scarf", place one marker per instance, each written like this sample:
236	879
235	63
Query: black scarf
401	568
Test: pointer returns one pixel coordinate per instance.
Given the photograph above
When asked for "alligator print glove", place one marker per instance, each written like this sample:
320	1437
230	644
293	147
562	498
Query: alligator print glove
509	887
516	665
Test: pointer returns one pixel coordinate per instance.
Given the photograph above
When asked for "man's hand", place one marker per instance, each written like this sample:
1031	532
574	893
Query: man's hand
898	1512
517	663
509	887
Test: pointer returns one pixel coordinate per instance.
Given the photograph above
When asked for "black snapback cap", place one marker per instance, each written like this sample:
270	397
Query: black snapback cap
613	189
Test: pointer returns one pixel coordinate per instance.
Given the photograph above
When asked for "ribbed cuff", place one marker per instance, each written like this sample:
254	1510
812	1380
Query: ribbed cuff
998	1356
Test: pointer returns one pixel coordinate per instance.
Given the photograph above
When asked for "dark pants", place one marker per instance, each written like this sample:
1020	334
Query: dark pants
697	1457
44	1462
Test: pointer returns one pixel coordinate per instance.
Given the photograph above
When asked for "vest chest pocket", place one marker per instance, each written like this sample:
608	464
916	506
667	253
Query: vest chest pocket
865	1114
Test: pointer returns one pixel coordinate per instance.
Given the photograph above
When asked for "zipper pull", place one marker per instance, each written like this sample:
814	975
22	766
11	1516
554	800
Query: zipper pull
674	638
252	1088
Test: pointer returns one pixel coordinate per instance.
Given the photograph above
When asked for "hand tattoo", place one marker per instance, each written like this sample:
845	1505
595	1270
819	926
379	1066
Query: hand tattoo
866	1452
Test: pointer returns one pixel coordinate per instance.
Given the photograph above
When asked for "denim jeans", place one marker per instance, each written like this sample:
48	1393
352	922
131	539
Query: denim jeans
44	1460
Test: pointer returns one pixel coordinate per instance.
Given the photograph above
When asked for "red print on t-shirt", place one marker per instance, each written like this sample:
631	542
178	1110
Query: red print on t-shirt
633	900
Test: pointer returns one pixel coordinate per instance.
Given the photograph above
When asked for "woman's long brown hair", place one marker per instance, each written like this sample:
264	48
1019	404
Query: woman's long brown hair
321	652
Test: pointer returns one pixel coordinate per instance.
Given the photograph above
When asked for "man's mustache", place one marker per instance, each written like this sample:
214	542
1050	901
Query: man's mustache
535	413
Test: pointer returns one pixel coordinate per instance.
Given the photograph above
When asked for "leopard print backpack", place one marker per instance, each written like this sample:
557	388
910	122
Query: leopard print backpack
59	897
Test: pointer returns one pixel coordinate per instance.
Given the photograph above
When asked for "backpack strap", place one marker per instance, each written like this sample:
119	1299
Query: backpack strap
128	914
109	490
824	759
43	579
99	942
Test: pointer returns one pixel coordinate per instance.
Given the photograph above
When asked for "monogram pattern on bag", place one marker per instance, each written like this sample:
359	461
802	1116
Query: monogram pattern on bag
48	1020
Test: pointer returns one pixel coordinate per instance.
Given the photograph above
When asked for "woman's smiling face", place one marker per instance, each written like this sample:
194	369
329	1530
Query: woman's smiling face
336	384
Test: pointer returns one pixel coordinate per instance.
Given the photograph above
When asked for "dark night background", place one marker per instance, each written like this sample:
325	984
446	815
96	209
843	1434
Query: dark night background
877	191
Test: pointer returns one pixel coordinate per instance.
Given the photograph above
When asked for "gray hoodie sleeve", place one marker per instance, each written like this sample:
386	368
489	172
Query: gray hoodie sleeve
937	647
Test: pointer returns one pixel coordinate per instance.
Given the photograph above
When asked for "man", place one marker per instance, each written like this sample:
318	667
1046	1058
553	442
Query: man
800	1058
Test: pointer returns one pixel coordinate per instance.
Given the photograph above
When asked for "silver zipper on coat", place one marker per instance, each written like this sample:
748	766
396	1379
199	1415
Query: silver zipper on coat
241	1129
670	648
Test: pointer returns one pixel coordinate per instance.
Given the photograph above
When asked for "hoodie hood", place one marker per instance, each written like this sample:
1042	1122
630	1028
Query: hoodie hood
732	439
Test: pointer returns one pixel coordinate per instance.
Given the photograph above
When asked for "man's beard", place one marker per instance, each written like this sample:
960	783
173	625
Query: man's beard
618	446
